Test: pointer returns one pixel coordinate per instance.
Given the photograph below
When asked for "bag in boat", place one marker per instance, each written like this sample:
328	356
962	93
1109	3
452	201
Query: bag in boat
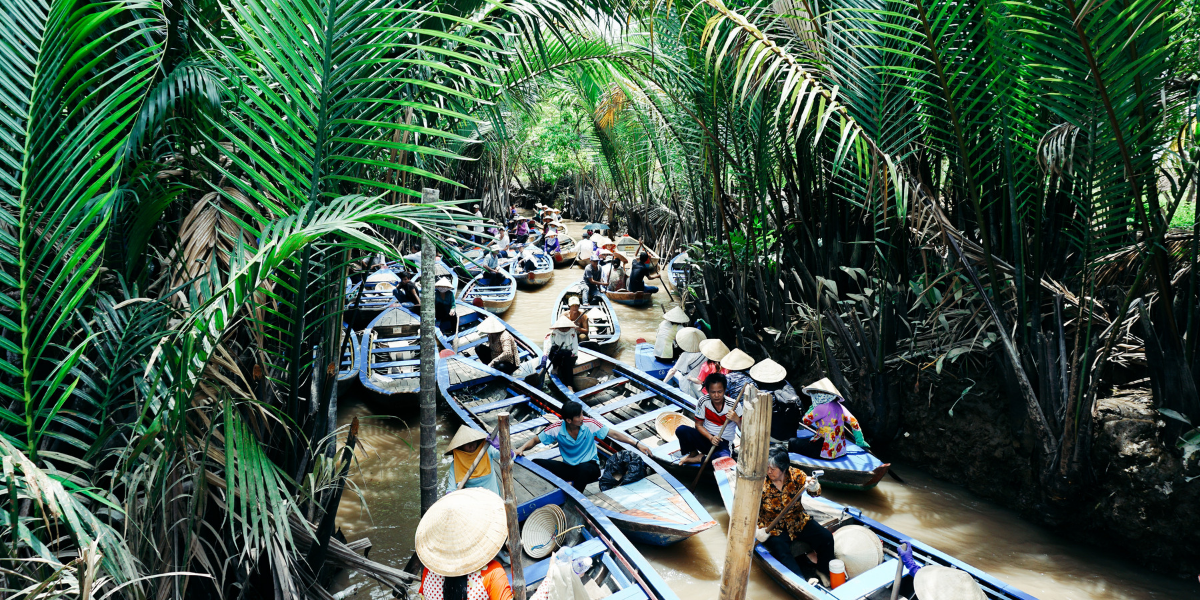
622	468
561	582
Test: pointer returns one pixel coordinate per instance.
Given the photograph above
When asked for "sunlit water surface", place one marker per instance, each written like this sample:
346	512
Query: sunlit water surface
385	503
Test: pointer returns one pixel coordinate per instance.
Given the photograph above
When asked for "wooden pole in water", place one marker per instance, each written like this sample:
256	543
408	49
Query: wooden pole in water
510	506
751	470
428	374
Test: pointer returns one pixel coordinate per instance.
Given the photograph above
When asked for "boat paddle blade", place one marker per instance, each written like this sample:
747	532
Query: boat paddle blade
447	353
724	463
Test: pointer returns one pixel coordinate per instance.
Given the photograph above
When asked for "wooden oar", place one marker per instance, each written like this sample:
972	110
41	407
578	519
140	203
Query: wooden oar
482	452
720	433
815	474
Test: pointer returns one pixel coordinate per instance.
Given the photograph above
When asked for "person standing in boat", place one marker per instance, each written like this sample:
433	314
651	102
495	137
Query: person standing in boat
443	306
578	317
831	420
736	366
593	278
500	352
665	347
783	483
576	436
586	249
464	448
786	408
687	366
713	350
457	541
639	273
712	410
560	350
521	233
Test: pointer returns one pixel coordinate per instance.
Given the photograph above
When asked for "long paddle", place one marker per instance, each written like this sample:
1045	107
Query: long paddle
720	434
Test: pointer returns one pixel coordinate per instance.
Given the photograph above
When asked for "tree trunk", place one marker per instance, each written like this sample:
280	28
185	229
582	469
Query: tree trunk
428	357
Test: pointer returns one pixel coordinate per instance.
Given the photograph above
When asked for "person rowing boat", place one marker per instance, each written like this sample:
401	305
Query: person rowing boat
785	482
576	437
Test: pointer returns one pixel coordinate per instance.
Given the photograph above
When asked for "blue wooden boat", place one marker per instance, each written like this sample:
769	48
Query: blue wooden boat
377	293
349	365
645	360
442	272
496	299
678	270
655	510
539	276
469	319
390	363
631	401
874	584
604	330
858	469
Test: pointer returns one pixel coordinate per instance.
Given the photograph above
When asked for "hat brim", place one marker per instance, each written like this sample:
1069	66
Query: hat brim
462	532
824	386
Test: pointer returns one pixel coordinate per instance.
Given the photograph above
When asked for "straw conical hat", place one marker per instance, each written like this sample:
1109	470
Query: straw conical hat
935	582
737	360
465	435
491	325
713	349
824	386
563	323
462	532
859	548
676	315
767	371
442	283
689	339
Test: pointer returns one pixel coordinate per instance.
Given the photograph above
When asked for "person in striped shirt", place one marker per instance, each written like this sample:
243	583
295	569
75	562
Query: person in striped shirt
576	437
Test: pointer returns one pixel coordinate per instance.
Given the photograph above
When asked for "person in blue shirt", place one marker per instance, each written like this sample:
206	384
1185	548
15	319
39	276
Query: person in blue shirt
639	273
576	437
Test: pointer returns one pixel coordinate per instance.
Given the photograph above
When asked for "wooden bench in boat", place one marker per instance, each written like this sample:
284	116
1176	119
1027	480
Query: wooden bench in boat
600	387
636	398
499	404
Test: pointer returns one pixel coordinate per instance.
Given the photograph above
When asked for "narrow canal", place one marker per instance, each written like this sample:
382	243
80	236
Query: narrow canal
384	502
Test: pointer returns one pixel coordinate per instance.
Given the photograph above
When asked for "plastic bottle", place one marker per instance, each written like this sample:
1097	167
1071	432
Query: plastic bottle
837	573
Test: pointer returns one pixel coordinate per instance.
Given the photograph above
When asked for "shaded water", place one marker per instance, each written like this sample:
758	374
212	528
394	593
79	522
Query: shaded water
943	515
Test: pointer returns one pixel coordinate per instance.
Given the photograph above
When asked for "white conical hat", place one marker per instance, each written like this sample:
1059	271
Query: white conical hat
465	435
824	386
737	360
935	582
713	349
676	315
767	371
491	325
462	532
858	547
563	323
689	339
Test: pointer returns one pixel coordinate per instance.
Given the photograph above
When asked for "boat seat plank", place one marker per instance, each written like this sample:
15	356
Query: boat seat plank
632	592
595	389
498	405
530	424
416	362
549	454
535	484
877	578
405	375
607	408
645	418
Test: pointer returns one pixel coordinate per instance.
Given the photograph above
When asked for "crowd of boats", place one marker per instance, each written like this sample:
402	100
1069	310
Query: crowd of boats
382	360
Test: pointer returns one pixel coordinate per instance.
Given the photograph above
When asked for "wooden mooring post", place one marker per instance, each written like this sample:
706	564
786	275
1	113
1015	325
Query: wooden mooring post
510	506
428	394
751	471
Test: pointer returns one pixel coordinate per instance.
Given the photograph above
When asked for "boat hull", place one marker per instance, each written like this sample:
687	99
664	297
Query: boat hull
495	299
630	298
390	359
645	361
856	470
347	378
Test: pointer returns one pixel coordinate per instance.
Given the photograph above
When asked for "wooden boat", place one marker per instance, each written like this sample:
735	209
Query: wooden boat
377	293
390	363
874	584
629	298
348	368
655	510
645	360
471	259
604	330
442	272
469	319
567	251
629	400
678	270
858	469
537	277
496	298
630	246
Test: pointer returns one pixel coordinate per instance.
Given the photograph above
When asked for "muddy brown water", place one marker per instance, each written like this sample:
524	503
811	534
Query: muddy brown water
384	502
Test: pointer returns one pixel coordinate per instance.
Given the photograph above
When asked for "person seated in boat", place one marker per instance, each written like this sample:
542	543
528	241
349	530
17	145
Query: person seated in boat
406	291
665	346
521	232
443	306
736	367
502	240
578	317
550	243
561	348
465	448
687	366
615	278
593	278
457	541
713	350
528	256
640	272
712	411
501	351
576	436
783	483
831	421
786	408
491	268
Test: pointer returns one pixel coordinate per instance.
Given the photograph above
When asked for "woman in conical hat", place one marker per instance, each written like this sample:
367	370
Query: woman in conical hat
561	348
457	541
687	366
465	448
831	421
713	351
786	409
673	321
